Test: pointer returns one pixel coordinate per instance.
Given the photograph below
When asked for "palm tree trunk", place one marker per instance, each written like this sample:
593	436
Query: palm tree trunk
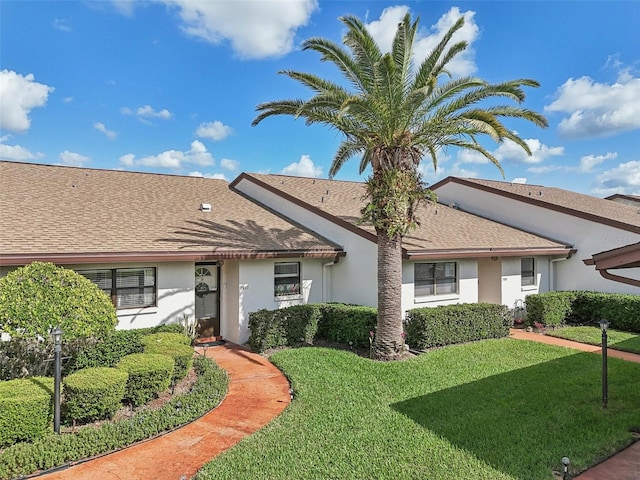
388	342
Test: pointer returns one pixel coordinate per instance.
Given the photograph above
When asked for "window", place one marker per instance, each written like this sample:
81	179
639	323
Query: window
127	287
286	279
435	278
527	272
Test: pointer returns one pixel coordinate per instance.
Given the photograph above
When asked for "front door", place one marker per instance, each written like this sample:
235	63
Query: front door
207	300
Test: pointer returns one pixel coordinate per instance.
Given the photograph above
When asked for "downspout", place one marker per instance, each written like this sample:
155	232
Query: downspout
326	284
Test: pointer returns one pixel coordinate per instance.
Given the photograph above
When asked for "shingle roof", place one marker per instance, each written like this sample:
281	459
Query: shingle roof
442	231
596	209
74	211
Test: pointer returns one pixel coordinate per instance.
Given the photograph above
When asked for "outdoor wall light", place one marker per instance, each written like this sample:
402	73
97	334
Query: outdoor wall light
604	326
566	462
56	335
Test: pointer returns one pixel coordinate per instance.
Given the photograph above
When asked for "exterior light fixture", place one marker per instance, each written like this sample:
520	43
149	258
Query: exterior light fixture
565	462
56	336
604	326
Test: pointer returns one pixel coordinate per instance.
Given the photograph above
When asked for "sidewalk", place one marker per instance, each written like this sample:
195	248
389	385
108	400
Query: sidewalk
258	392
624	465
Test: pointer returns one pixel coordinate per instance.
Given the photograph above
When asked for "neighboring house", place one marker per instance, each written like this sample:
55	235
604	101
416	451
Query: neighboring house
625	258
633	200
452	257
165	247
592	225
161	246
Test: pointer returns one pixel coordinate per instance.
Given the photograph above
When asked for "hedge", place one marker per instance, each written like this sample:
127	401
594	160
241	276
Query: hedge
446	325
149	375
107	351
303	324
583	308
347	323
93	393
25	409
56	450
286	326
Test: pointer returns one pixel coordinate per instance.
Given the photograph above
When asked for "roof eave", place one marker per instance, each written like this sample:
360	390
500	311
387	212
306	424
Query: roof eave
487	253
159	257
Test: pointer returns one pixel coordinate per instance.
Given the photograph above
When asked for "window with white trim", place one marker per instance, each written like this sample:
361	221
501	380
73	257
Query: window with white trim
127	287
527	272
286	281
438	278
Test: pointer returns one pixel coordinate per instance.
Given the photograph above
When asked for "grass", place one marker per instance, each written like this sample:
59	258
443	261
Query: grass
496	409
625	341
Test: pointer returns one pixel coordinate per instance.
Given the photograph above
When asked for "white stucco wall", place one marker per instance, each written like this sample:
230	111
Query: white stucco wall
467	286
586	236
255	289
354	278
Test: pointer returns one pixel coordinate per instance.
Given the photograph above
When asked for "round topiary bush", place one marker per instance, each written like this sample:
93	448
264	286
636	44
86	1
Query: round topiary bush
182	355
93	393
39	296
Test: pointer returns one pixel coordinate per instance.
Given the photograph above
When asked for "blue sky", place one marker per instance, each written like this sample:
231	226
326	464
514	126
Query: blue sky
171	86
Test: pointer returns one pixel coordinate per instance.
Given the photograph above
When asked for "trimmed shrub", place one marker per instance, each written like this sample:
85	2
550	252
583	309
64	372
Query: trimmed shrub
39	296
451	324
149	374
165	337
549	309
56	450
585	308
287	326
25	409
347	323
181	354
107	351
93	393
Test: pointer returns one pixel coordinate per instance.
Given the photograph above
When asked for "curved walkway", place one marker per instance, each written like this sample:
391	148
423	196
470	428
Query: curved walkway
624	465
258	392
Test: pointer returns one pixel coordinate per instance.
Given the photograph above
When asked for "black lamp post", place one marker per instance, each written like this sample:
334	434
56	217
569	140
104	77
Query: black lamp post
56	335
604	325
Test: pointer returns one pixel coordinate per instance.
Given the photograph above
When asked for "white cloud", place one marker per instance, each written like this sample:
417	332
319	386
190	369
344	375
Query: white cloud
16	152
215	176
384	29
110	134
509	151
68	99
147	111
588	162
521	180
73	159
625	179
214	130
545	169
124	7
254	29
174	159
19	94
228	164
304	168
61	24
598	109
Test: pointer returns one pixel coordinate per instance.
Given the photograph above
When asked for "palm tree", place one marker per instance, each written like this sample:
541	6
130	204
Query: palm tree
392	114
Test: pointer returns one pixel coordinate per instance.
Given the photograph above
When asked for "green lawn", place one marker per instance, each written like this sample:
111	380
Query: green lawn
497	409
626	341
